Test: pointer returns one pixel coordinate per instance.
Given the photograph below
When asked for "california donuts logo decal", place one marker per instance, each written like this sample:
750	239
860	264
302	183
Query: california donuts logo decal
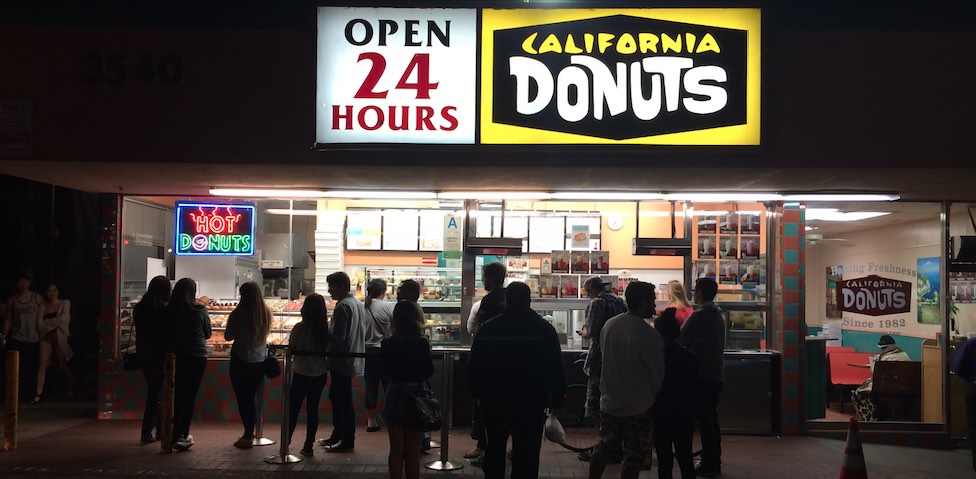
617	77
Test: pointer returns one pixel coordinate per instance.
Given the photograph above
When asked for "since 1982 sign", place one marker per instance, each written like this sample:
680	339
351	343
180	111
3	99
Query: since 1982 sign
395	75
648	76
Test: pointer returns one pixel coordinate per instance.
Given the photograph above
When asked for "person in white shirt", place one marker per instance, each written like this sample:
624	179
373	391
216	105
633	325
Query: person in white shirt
632	374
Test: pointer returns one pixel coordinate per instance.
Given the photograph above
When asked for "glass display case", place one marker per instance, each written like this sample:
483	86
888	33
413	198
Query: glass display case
440	296
746	322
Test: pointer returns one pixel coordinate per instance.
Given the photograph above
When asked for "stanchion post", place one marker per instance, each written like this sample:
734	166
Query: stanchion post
166	405
259	439
11	402
283	456
445	464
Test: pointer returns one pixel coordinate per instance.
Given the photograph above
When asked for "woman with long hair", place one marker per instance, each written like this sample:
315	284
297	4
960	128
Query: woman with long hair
248	327
53	331
407	362
150	346
379	314
679	301
189	329
310	335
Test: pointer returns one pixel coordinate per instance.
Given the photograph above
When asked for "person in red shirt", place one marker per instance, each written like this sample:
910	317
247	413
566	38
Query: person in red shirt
679	301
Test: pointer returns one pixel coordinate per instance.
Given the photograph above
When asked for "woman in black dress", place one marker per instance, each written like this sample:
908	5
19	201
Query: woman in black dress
408	364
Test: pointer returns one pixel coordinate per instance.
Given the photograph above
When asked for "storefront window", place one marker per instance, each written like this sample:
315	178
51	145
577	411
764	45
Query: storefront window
873	295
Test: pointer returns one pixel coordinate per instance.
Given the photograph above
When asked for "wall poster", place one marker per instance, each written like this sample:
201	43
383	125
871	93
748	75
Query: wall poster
927	284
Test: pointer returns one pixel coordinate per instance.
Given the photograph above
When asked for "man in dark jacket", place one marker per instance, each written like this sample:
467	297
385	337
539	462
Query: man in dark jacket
673	409
516	371
704	336
493	304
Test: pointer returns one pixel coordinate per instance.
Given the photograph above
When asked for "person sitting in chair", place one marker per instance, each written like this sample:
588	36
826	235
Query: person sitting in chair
868	406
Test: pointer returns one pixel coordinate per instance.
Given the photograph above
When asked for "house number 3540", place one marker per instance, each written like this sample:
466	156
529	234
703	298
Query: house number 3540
118	68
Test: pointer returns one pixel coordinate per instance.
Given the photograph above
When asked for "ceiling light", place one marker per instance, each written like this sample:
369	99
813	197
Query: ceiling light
841	197
266	193
289	212
723	197
606	196
493	195
832	214
381	194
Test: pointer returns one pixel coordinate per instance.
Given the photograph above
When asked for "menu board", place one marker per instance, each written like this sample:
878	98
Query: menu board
400	230
546	234
431	231
364	230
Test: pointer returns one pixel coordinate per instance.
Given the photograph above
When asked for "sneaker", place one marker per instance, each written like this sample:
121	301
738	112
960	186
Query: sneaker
372	426
340	447
146	438
477	461
244	443
307	451
476	452
184	443
328	442
702	470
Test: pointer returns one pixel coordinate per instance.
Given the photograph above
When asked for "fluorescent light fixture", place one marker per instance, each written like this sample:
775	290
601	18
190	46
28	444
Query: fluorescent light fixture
493	195
723	197
832	214
606	196
841	197
381	194
266	193
288	212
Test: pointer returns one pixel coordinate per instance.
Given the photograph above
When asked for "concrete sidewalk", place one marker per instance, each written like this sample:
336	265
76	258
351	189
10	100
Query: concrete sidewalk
58	439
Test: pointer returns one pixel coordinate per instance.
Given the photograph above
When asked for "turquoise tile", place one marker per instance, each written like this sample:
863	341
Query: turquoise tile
791	337
791	284
791	229
791	392
791	364
791	419
791	311
791	256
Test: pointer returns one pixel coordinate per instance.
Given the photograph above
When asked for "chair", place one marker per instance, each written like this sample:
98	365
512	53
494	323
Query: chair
843	376
899	380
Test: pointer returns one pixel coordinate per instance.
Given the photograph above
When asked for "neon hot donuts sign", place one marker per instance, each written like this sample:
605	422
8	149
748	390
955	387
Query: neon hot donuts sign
214	229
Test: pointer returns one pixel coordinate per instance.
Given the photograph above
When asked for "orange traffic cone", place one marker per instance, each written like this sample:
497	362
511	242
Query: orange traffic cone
853	467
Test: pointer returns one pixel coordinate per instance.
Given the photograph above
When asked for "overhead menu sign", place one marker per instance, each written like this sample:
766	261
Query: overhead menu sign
205	229
648	76
396	75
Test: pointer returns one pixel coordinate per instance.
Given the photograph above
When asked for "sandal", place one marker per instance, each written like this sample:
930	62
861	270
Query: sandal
35	401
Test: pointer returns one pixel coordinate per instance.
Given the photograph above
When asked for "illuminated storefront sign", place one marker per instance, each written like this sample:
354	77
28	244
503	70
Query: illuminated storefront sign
874	296
646	76
214	229
396	75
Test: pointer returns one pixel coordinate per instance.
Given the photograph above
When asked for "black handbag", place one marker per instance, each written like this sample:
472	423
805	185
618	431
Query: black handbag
428	410
272	368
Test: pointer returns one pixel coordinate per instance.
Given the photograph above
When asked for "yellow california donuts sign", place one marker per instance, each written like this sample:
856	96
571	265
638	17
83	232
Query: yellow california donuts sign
625	76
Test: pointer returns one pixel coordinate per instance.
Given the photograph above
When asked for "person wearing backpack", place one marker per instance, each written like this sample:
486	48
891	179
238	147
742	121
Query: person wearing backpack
603	306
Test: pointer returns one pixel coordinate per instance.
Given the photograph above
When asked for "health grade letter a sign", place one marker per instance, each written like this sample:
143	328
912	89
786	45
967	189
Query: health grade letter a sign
214	229
681	76
395	75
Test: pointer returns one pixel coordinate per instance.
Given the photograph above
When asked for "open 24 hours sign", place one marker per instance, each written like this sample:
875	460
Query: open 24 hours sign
638	76
396	75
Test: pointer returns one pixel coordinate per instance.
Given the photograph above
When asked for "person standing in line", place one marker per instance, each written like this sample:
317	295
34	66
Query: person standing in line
703	334
189	329
407	359
679	301
379	314
516	371
347	334
409	291
248	327
673	410
964	365
311	335
53	331
603	306
23	313
491	305
151	330
632	374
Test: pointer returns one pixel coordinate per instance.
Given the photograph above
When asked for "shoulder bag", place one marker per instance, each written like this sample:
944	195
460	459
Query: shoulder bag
272	368
428	409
